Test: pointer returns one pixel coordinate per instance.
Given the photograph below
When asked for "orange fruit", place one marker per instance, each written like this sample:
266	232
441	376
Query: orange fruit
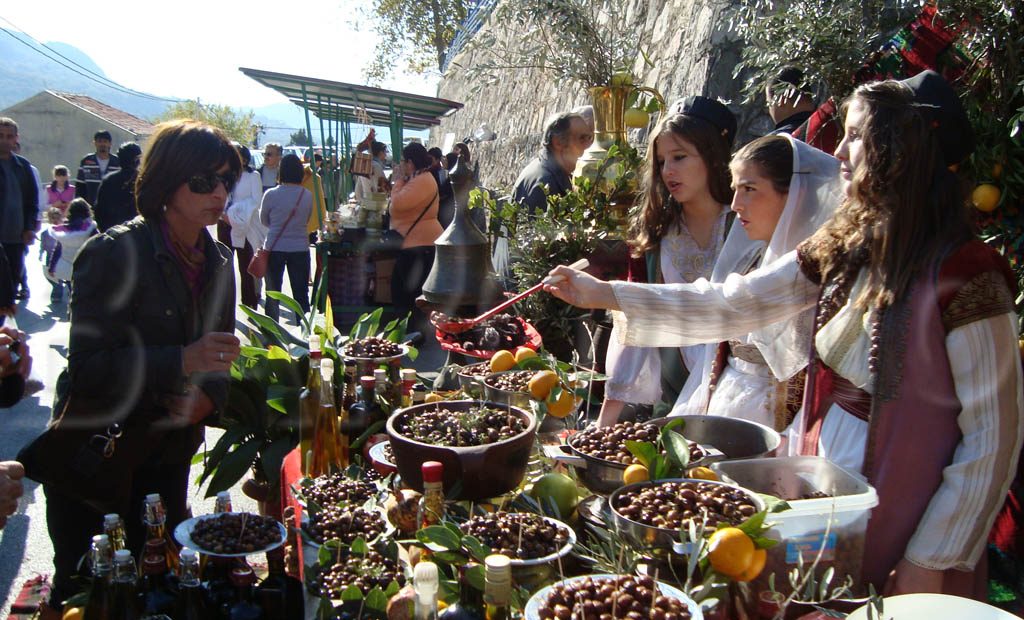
636	473
731	551
433	397
701	473
541	384
73	613
563	406
756	566
502	361
997	170
636	118
522	353
985	197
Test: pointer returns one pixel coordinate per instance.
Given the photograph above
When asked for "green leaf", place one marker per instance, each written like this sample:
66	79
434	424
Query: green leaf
643	450
477	549
773	504
324	555
392	589
439	535
213	458
283	398
475	576
272	457
373	429
450	557
662	468
673	424
359	546
352	593
269	328
234	465
676	447
292	305
753	525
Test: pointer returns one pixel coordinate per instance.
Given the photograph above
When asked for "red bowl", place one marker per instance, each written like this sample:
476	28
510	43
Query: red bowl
450	342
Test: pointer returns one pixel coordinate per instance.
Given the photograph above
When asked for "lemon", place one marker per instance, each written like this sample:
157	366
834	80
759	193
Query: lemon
433	397
523	353
731	551
756	566
558	488
73	613
502	361
636	118
985	197
541	384
635	473
701	473
563	406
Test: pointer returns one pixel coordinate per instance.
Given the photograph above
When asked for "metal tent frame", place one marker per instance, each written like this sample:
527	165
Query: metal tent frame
339	105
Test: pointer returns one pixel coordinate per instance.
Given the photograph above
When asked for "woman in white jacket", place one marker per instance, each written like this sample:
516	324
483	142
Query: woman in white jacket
246	230
70	236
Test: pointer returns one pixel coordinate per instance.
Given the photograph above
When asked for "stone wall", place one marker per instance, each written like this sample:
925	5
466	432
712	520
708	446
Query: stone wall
689	44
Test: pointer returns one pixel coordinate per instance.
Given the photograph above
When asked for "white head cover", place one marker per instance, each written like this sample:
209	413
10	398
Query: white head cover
814	193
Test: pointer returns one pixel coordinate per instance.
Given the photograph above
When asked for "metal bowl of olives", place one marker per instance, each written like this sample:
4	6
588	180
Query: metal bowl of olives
649	515
510	387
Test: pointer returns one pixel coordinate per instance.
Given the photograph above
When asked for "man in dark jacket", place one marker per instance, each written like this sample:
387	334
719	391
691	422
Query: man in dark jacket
566	136
95	166
790	103
19	201
115	200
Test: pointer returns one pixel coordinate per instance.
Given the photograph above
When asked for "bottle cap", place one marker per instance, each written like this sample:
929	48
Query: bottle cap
425	581
367	382
327	367
112	519
380	375
100	539
153	498
187	554
498	570
122	555
432	471
223	496
408	374
314	344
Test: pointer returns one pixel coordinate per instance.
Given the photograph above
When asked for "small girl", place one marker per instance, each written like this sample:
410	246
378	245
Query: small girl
60	192
78	226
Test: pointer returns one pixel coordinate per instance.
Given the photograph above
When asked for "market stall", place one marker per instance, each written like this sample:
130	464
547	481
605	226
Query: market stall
358	265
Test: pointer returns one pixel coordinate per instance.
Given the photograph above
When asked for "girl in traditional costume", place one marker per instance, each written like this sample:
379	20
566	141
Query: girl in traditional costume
914	377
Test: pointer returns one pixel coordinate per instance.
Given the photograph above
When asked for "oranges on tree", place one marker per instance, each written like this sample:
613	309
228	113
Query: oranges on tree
635	473
731	552
541	384
756	566
502	361
985	197
563	405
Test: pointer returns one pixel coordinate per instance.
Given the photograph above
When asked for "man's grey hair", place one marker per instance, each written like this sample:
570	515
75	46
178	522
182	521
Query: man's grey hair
558	127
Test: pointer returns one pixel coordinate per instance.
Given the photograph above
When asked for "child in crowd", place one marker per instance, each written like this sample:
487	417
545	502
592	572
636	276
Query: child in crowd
78	226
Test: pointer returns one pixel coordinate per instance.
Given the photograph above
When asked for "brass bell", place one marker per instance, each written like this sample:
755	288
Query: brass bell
462	275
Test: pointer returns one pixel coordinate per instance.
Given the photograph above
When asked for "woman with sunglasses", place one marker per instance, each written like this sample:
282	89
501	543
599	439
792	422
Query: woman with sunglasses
152	342
914	376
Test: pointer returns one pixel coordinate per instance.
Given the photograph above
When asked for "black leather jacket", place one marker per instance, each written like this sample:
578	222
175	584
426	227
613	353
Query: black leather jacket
132	314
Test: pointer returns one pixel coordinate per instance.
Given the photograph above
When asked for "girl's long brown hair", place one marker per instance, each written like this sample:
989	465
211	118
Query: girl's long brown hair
905	210
658	212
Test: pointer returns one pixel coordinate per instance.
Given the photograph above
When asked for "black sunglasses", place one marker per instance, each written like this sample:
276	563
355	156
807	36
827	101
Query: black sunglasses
206	182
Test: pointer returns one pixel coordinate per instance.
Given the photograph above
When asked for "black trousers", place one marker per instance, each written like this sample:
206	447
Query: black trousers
247	282
16	260
72	524
412	266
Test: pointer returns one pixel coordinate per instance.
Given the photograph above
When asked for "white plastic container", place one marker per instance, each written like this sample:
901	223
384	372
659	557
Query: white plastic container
802	529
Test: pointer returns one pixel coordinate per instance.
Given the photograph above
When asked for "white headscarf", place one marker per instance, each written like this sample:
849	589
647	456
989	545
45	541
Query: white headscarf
814	193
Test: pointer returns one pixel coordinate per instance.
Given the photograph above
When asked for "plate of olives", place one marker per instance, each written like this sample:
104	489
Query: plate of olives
231	534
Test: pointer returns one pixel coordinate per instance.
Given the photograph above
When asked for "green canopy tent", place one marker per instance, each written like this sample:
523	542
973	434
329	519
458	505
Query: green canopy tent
337	106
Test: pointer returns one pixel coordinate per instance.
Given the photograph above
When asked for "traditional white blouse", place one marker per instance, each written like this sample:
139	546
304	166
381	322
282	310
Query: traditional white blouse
983	357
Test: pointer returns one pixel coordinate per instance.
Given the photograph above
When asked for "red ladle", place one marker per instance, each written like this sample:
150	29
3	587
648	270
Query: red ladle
457	326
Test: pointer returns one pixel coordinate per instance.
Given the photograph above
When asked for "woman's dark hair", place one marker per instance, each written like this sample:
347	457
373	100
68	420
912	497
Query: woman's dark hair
436	153
177	151
451	158
128	153
417	154
773	156
466	157
58	170
377	148
291	169
243	152
659	213
78	211
905	208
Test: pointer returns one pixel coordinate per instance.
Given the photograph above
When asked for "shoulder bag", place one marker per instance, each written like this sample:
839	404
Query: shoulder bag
392	240
258	265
